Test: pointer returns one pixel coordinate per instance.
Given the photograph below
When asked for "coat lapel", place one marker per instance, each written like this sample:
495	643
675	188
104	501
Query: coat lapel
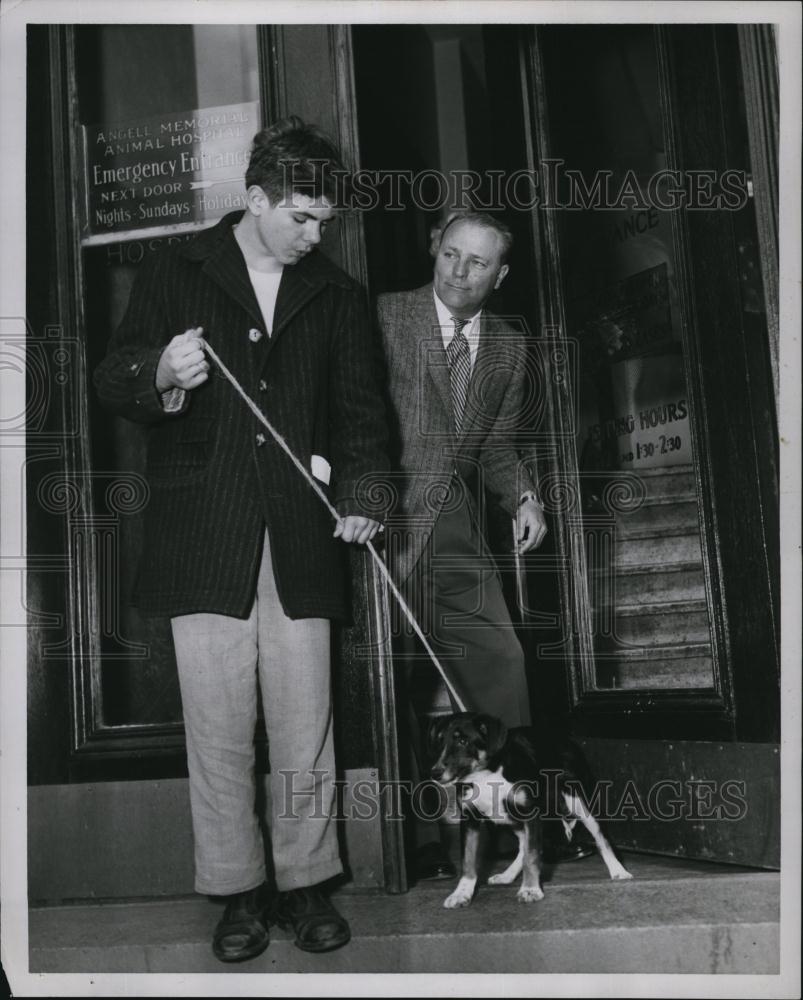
426	331
486	381
225	265
299	284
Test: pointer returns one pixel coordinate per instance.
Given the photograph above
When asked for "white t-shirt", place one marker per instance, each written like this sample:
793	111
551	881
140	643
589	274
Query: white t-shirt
266	288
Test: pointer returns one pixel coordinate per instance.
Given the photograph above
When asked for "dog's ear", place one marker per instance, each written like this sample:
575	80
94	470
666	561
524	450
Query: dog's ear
435	734
493	732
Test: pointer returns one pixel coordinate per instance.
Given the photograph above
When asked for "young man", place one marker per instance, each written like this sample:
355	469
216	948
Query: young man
457	380
238	551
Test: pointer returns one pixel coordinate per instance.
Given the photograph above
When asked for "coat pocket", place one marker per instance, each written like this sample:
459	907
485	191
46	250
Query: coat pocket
181	450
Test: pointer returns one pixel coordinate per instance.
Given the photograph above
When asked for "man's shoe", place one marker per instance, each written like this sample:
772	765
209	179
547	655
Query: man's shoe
242	931
317	924
431	863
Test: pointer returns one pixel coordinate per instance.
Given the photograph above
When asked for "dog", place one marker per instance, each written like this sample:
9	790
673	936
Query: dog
514	778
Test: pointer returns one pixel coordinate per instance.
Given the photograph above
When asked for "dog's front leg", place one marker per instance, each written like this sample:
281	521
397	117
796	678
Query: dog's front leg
468	880
531	891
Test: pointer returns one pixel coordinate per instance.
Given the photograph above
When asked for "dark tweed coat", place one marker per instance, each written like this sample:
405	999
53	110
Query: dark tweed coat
214	483
426	453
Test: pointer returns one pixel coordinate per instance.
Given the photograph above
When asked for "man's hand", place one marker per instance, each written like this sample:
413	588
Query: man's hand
356	529
183	363
530	526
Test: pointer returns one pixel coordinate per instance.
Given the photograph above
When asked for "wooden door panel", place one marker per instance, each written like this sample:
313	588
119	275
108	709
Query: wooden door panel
709	800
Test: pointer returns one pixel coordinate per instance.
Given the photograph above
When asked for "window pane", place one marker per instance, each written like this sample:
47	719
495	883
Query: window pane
167	116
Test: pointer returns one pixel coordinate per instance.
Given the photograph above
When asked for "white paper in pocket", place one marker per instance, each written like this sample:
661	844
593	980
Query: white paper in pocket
321	469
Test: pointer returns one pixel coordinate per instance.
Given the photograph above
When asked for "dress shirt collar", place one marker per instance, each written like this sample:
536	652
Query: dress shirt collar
471	329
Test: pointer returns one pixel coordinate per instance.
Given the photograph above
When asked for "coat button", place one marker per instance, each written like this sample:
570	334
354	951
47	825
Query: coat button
260	440
263	385
254	335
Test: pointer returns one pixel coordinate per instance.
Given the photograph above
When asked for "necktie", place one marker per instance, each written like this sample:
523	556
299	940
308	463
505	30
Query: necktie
459	357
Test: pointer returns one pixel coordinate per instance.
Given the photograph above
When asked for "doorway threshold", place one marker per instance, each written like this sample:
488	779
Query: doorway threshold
675	916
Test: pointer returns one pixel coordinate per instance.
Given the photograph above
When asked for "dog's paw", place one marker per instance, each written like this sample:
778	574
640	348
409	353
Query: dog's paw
502	878
529	894
457	898
620	874
462	894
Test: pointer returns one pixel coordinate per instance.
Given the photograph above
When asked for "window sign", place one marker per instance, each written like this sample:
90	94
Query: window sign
177	171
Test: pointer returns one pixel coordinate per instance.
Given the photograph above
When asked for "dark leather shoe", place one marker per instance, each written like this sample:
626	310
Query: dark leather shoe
317	924
242	931
431	863
555	854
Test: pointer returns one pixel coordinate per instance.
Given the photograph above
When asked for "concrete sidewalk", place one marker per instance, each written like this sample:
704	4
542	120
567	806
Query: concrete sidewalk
674	917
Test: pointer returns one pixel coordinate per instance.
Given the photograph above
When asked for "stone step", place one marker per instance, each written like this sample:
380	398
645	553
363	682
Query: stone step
656	624
689	665
680	581
668	481
657	516
674	917
672	545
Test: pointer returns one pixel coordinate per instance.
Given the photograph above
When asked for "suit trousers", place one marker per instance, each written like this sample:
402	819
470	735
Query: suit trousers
218	659
458	595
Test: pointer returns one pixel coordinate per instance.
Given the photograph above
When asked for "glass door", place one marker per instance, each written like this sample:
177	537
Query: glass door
165	119
637	500
661	456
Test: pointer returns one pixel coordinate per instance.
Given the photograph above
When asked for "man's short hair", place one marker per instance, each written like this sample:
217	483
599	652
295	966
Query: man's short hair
292	156
485	221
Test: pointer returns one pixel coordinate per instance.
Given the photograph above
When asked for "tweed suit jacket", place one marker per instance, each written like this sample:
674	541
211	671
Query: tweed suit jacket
425	451
216	476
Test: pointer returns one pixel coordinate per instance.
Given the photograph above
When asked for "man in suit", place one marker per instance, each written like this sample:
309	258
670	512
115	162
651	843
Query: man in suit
238	551
458	384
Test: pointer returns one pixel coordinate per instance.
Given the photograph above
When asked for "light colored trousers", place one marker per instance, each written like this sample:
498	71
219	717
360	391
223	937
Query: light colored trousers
218	659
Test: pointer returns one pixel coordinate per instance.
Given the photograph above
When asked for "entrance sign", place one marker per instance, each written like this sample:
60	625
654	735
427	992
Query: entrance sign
176	171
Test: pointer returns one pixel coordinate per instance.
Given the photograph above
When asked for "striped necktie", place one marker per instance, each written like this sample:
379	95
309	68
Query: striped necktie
459	357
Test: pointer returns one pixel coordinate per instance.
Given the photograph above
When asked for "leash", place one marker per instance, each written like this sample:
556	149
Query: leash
378	560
